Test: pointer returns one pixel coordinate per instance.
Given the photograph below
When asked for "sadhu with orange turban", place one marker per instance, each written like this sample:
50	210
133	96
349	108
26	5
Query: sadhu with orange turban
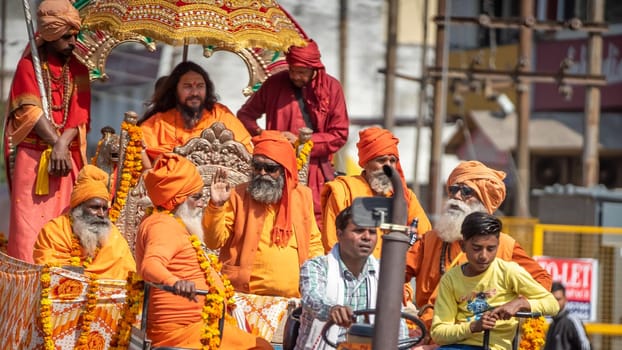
168	251
376	147
88	226
471	186
263	237
47	191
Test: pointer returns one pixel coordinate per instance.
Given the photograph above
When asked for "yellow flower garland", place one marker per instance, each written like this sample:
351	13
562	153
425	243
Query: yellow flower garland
97	150
133	302
3	242
46	310
302	157
213	308
132	168
533	334
76	254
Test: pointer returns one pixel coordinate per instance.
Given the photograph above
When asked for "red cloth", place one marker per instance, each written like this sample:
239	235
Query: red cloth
328	114
273	145
305	56
24	111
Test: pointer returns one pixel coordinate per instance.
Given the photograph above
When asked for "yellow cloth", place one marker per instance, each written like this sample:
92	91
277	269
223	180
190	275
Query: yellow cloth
242	228
53	246
92	182
171	180
502	282
424	257
163	132
42	184
340	193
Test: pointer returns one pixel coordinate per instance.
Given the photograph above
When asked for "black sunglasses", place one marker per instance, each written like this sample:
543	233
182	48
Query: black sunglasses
269	168
465	191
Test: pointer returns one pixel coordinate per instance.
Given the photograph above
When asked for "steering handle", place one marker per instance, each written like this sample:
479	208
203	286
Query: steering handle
403	344
520	314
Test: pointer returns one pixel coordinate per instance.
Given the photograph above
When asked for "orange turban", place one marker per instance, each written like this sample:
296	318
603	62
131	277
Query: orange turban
55	18
171	180
273	145
92	182
375	142
487	182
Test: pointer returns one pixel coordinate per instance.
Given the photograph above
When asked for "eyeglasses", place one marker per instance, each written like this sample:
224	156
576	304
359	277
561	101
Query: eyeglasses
269	168
465	191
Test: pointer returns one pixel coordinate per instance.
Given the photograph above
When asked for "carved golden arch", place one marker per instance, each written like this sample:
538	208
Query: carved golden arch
94	47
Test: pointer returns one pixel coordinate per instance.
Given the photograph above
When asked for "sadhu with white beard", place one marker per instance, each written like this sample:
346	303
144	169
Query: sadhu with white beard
168	251
471	187
84	236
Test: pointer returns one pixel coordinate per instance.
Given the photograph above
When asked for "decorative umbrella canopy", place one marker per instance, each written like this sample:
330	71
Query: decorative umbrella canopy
230	24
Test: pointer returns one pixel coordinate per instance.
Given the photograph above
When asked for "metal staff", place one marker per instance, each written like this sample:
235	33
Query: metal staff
35	60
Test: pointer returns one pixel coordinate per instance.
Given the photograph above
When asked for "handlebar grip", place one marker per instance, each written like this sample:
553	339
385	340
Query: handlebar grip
528	314
172	289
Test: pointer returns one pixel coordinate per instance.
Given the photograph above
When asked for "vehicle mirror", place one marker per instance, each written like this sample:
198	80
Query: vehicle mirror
371	211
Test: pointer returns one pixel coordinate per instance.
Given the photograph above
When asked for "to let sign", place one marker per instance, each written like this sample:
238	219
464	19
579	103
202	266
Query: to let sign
580	277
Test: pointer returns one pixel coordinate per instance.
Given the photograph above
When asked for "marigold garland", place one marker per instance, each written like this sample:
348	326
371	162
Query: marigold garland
213	308
76	254
3	242
302	154
132	168
133	303
533	334
45	310
97	150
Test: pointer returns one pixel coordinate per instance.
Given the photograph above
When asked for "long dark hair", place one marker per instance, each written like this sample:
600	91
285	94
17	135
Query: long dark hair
165	97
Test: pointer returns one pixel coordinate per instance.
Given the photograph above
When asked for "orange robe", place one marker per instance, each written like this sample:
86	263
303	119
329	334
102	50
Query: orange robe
165	255
164	131
242	228
340	193
53	246
424	258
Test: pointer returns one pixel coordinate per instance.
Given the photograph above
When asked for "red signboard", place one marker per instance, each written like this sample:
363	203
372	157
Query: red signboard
580	277
549	55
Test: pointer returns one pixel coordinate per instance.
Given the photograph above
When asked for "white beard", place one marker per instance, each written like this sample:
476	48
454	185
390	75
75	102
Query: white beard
449	223
192	218
91	230
379	182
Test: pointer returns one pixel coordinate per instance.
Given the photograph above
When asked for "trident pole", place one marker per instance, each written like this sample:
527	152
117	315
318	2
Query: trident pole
36	63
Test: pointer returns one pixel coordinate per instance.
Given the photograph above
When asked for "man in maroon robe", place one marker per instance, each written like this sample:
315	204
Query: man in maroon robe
286	97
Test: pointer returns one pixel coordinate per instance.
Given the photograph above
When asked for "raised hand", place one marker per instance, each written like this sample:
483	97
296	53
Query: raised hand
220	190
